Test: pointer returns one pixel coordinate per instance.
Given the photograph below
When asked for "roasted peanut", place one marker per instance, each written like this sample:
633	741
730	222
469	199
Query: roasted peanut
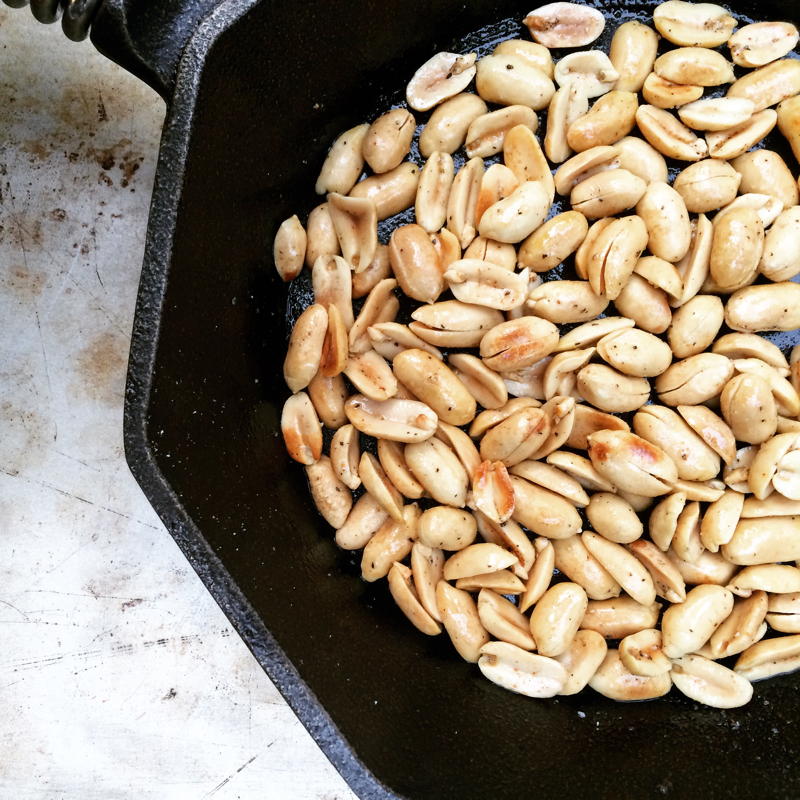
610	119
734	141
520	671
669	135
556	618
641	158
633	51
771	307
667	220
662	93
446	130
487	133
607	193
707	185
565	24
769	85
696	24
613	680
391	192
697	66
759	43
510	80
440	77
554	241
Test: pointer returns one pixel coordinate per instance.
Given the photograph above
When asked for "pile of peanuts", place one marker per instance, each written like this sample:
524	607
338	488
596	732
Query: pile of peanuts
578	493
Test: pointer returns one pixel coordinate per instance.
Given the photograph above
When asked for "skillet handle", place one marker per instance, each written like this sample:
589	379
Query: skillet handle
145	37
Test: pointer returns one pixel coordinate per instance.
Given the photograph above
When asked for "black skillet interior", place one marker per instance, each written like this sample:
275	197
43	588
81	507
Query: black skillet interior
276	88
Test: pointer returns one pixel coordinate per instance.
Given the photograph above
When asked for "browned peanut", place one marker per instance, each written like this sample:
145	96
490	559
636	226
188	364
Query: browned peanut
518	343
734	141
497	183
588	420
625	568
661	93
619	617
379	269
487	133
301	429
304	352
402	590
579	565
694	380
289	248
320	234
371	375
509	80
436	385
461	621
695	24
661	426
332	285
707	185
695	325
392	542
331	497
565	24
492	492
553	242
392	192
344	162
517	437
446	130
485	385
769	85
632	463
667	579
355	221
607	193
556	618
463	201
610	119
328	396
415	263
694	65
633	51
388	140
669	135
544	512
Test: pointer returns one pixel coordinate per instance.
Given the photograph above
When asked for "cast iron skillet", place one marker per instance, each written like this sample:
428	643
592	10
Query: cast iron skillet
257	95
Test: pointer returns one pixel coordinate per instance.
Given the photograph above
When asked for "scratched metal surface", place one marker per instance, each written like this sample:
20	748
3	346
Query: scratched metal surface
119	676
